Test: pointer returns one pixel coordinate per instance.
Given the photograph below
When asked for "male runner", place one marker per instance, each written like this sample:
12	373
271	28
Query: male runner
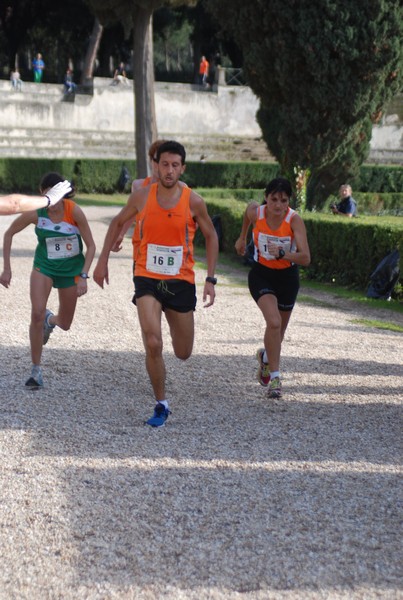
166	216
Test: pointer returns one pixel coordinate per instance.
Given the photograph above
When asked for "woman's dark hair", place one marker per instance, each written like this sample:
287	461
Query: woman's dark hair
279	185
50	179
173	148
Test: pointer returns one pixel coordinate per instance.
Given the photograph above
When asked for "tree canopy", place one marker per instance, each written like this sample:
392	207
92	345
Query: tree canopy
136	18
321	69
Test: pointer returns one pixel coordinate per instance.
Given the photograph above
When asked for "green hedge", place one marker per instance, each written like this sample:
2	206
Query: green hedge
346	251
24	174
232	175
89	176
95	175
379	178
231	212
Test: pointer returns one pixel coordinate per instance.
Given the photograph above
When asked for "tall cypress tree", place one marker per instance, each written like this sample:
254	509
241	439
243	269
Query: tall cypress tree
321	69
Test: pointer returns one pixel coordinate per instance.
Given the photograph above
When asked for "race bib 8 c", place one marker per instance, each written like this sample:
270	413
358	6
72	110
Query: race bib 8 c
164	260
62	247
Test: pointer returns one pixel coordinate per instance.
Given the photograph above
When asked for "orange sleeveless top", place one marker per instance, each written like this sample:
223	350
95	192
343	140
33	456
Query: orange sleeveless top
163	239
262	234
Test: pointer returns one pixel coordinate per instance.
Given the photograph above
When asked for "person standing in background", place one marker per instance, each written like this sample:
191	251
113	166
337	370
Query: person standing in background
38	66
16	80
203	70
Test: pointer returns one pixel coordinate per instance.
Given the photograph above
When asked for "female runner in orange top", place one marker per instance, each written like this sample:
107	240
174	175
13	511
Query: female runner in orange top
280	245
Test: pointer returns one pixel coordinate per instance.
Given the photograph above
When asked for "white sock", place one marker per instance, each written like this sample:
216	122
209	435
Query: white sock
48	323
274	374
164	402
264	358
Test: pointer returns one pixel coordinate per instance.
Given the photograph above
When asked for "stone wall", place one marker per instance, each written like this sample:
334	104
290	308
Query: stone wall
39	121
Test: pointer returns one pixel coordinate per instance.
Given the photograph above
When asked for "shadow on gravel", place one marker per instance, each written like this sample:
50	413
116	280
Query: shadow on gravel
236	529
342	367
97	409
236	492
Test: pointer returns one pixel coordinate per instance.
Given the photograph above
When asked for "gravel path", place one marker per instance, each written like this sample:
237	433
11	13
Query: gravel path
238	496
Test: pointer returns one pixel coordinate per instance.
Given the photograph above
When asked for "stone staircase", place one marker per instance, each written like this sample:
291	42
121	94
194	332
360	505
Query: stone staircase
48	143
40	122
22	135
64	143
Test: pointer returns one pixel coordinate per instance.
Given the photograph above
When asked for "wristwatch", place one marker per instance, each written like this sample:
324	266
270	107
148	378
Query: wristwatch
84	275
281	253
212	280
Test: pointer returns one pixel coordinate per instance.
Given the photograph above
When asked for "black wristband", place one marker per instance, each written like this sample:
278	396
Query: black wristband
212	280
48	204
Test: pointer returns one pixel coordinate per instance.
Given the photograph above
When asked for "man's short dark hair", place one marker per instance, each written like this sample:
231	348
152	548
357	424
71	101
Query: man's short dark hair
279	184
173	148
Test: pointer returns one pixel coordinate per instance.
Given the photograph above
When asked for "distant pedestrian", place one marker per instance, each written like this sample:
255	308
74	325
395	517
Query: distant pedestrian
16	80
203	70
38	66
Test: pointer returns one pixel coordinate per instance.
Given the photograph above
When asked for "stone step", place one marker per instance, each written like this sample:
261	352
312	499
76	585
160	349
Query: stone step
40	143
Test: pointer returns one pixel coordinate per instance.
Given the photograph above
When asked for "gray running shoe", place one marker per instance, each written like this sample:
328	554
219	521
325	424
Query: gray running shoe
274	388
47	328
36	380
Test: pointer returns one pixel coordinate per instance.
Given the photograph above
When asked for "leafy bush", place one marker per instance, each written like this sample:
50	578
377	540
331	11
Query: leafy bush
379	178
346	251
232	175
231	212
24	174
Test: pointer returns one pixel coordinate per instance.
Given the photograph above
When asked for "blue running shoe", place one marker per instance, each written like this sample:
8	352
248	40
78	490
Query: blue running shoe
159	417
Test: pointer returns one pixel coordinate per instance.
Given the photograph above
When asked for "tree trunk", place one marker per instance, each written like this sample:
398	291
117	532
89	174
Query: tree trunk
95	39
143	73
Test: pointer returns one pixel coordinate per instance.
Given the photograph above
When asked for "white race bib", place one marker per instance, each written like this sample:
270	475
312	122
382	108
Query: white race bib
263	244
62	247
165	260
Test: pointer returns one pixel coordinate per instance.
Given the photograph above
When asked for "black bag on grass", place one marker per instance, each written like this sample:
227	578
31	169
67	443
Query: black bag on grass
124	179
385	277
